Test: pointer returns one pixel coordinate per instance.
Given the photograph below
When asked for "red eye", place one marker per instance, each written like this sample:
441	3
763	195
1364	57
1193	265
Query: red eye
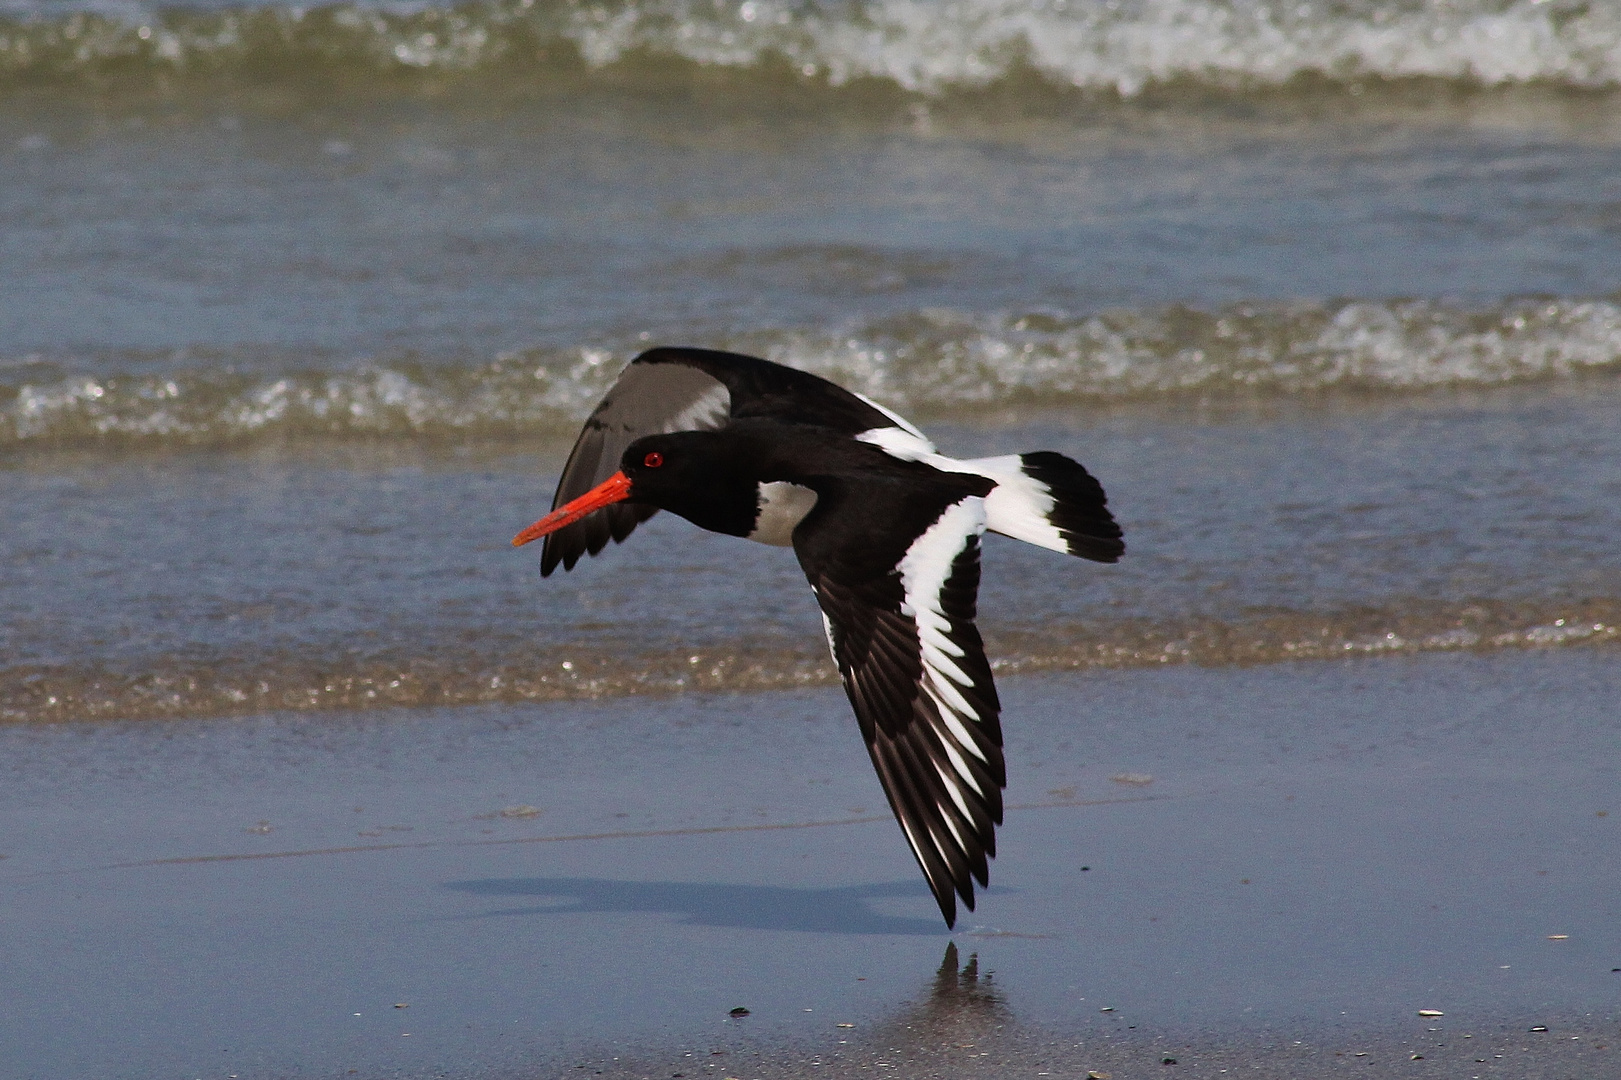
653	460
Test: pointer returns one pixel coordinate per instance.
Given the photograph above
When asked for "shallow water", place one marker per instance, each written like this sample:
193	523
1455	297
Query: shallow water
199	583
298	310
239	265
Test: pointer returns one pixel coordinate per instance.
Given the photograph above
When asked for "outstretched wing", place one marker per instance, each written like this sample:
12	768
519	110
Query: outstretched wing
915	671
679	389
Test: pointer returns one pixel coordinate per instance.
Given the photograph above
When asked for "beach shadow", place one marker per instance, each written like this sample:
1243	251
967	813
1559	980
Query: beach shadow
748	907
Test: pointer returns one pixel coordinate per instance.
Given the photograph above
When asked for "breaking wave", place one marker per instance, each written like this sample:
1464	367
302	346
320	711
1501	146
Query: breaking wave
451	673
923	46
935	362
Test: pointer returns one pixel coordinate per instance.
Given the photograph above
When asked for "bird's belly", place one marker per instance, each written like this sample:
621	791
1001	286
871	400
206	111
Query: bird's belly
782	507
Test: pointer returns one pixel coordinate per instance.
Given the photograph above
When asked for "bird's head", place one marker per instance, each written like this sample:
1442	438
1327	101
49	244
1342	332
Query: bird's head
695	474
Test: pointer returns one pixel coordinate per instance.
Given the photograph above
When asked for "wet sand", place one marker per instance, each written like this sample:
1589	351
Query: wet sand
1267	870
961	1029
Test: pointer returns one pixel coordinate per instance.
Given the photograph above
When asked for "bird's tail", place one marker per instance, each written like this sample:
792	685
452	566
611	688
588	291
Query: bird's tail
1049	500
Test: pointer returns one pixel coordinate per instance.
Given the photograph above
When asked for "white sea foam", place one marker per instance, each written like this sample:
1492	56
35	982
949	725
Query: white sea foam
936	360
924	46
953	360
1125	45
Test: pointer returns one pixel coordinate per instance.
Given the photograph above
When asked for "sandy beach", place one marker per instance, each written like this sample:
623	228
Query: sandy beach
1270	870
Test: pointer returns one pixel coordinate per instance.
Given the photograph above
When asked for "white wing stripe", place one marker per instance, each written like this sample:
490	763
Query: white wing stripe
900	421
924	571
949	698
708	411
940	664
941	642
946	817
934	842
1018	506
957	761
927	563
911	838
832	646
940	846
900	443
955	792
954	724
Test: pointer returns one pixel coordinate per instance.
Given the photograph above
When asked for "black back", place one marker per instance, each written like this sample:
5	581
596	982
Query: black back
684	389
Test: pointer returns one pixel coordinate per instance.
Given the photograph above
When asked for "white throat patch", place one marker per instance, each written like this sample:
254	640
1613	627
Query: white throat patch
782	507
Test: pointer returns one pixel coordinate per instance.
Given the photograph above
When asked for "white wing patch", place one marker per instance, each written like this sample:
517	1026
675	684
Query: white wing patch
949	716
959	764
1020	505
708	411
900	443
924	571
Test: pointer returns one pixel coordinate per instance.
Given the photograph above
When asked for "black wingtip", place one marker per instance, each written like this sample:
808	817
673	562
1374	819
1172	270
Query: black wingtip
949	891
553	555
1080	508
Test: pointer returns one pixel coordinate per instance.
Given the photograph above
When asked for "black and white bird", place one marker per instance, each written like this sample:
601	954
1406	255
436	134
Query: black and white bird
885	527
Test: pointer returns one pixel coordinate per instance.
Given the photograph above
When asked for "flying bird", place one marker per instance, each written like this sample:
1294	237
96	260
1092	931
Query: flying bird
887	531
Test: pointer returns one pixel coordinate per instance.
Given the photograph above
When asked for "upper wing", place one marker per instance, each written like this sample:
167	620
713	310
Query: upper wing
648	399
761	388
915	671
679	389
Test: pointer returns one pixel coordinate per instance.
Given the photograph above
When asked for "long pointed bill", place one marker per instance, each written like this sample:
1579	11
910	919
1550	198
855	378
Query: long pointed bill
612	490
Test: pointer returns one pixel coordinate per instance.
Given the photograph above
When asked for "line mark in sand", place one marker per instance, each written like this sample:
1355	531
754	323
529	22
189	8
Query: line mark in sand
627	834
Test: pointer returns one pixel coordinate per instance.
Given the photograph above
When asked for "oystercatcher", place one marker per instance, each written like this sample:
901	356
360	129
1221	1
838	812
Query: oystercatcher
885	527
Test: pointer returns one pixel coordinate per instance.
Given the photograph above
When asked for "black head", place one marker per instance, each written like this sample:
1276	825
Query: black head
699	475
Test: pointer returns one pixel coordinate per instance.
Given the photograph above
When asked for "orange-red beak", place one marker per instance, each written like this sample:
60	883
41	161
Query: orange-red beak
611	490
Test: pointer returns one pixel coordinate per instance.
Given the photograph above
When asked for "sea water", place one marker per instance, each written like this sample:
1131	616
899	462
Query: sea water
299	308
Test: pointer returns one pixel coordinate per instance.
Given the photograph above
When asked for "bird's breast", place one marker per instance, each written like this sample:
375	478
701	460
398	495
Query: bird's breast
782	507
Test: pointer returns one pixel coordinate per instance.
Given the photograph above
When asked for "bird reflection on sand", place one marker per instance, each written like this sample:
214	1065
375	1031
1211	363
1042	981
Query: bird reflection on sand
960	1028
963	1011
960	996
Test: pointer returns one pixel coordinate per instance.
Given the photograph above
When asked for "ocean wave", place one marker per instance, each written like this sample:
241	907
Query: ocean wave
193	406
453	673
922	46
934	362
944	360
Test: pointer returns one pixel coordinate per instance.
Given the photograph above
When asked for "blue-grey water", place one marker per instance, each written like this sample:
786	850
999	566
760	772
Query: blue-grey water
294	335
